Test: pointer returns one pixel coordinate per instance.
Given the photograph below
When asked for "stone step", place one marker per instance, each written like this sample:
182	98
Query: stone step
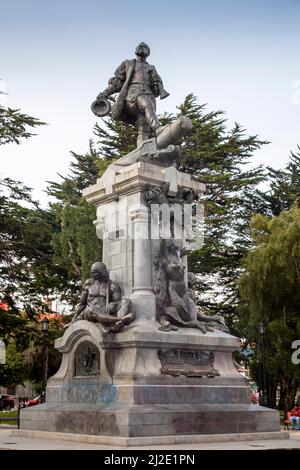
153	440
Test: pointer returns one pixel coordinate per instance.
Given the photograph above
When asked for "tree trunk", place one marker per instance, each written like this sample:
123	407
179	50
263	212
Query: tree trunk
281	398
289	389
272	388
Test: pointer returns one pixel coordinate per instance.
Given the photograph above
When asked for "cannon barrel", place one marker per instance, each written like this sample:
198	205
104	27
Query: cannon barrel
171	133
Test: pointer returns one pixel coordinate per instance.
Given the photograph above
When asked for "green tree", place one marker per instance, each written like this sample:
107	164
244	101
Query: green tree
21	331
26	271
270	291
13	371
14	333
284	186
114	139
33	359
75	244
24	227
15	126
220	157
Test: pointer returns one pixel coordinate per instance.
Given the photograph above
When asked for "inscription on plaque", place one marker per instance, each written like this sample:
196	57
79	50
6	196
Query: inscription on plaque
187	362
87	359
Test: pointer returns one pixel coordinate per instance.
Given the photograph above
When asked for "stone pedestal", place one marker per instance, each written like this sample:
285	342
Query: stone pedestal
143	381
147	383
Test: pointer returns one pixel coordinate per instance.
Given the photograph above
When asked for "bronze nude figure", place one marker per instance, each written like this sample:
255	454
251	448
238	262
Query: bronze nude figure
101	301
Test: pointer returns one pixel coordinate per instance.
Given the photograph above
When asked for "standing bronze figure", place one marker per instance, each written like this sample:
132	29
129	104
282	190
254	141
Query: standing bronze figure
138	84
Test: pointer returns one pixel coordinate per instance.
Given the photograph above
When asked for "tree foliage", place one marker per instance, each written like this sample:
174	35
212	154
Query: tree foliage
15	126
26	269
21	332
33	359
284	187
13	371
114	139
270	288
75	244
24	228
220	157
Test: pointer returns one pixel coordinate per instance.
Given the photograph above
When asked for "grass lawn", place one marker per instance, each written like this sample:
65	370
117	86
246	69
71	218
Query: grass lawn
8	414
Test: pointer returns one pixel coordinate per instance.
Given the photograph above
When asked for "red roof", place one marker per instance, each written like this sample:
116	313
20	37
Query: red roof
4	307
50	316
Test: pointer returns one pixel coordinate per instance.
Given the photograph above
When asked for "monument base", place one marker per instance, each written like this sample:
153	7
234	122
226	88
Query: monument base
150	420
145	383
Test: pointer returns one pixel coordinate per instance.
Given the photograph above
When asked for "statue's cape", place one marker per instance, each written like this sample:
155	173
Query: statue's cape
118	112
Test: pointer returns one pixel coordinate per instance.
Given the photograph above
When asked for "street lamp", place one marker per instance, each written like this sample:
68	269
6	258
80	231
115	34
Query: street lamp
262	368
45	322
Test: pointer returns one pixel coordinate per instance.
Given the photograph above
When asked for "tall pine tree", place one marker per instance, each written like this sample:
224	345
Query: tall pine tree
25	228
284	186
220	158
75	243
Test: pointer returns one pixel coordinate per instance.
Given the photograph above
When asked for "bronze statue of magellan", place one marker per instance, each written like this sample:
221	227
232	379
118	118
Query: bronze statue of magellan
101	301
138	84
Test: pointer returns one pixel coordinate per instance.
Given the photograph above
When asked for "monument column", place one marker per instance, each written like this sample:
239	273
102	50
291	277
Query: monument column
142	296
102	234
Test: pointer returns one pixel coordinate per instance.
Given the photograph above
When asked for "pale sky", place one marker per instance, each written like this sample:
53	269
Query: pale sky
236	55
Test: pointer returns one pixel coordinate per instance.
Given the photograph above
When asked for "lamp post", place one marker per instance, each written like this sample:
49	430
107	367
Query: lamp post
45	322
262	368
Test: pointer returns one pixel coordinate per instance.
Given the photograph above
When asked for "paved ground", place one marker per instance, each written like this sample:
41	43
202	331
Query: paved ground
23	443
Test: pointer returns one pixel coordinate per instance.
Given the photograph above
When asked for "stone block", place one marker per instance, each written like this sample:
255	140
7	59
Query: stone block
162	420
